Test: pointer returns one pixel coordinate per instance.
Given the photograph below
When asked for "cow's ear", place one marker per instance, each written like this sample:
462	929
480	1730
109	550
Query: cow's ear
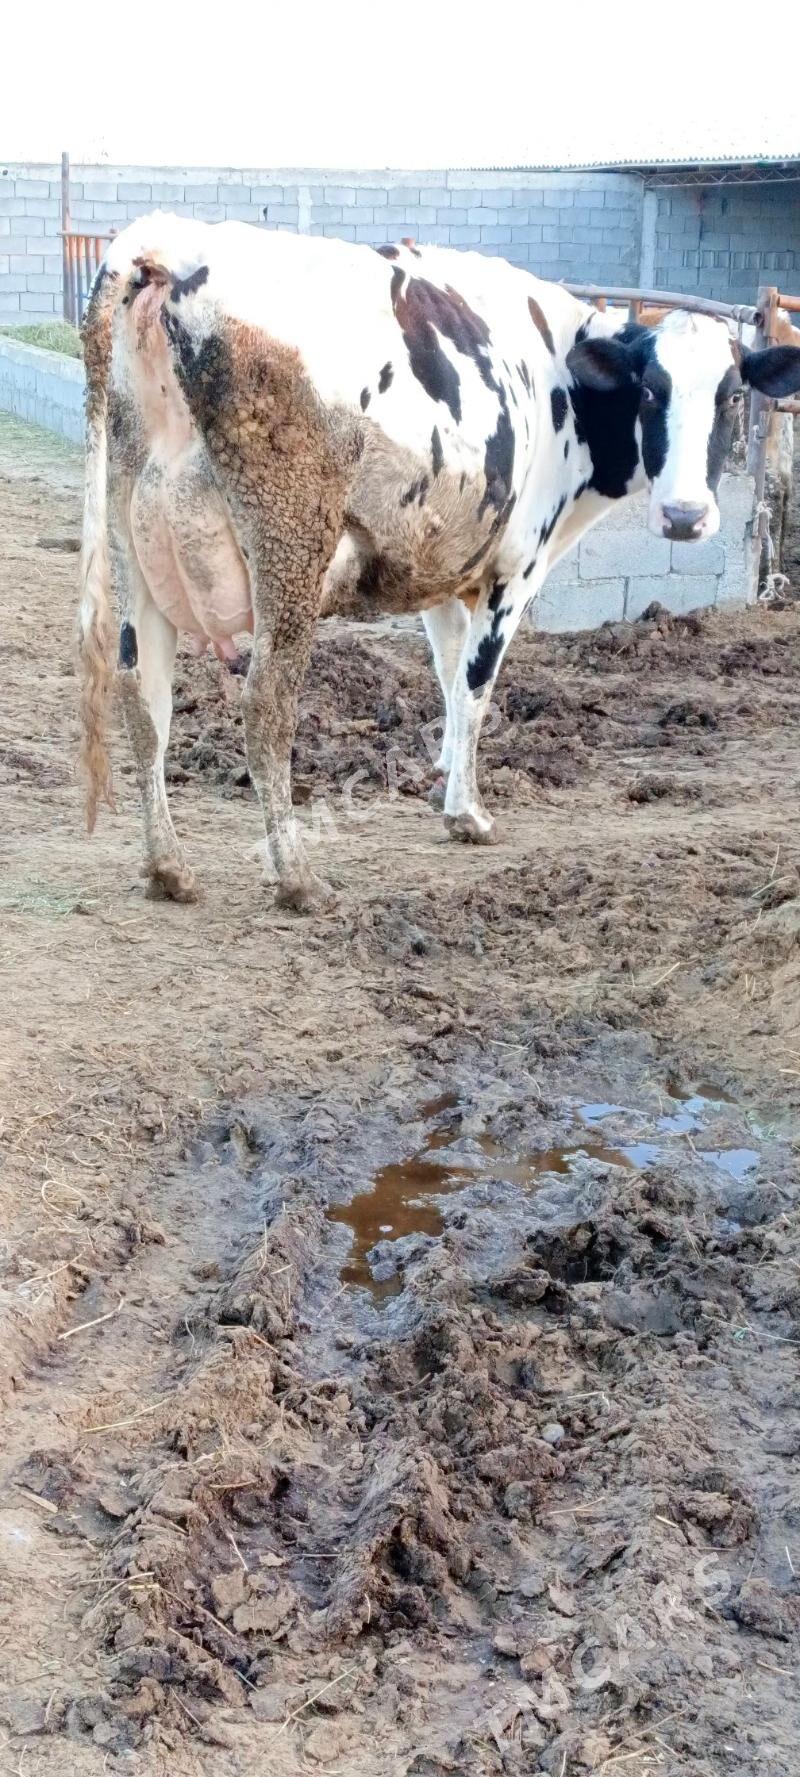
602	364
775	371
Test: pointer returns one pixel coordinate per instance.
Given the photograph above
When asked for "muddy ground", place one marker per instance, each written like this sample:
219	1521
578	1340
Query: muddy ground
400	1308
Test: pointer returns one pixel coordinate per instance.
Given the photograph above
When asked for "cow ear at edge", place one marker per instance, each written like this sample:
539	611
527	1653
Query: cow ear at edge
775	371
602	364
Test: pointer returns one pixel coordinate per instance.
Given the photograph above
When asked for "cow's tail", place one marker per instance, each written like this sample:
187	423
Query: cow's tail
95	628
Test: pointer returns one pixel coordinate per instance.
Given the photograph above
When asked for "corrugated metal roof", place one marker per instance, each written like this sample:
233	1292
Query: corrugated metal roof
649	162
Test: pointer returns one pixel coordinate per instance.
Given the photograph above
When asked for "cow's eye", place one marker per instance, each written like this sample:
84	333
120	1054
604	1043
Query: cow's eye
648	398
736	399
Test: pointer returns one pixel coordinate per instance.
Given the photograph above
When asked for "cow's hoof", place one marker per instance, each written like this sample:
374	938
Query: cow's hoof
171	882
472	829
437	792
305	894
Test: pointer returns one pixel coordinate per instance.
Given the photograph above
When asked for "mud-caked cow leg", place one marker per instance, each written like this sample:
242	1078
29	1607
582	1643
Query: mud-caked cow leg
147	644
283	465
287	589
494	621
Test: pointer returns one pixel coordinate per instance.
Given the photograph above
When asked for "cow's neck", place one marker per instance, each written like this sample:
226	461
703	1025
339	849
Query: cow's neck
605	427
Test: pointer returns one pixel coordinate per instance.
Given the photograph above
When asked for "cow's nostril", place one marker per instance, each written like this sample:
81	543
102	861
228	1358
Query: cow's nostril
682	520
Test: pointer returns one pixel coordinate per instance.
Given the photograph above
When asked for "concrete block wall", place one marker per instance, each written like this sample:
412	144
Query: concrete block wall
723	241
579	226
43	387
620	567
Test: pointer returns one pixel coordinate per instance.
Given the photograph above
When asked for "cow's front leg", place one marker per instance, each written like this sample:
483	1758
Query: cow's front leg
494	621
447	626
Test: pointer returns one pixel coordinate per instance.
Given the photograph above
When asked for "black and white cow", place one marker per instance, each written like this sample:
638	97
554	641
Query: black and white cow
281	427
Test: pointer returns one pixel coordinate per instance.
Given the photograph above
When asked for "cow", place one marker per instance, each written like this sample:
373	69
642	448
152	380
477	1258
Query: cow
281	427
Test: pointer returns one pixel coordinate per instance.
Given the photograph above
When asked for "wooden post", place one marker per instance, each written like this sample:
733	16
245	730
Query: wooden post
67	305
760	404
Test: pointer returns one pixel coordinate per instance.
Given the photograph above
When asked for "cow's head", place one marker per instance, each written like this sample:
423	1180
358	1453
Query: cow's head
682	385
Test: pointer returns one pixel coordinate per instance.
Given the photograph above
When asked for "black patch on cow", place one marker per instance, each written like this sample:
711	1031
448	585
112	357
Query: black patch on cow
566	449
437	454
539	320
583	332
655	396
128	647
549	525
388	252
364	398
417	491
722	431
385	378
559	406
424	311
462	481
498	460
605	420
187	286
482	667
204	372
525	375
529	570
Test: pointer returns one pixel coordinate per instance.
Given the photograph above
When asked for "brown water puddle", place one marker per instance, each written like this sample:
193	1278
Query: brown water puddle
396	1204
400	1201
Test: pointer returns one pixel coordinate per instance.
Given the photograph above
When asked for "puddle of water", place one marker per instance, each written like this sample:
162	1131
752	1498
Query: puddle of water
594	1113
396	1206
737	1162
702	1097
643	1153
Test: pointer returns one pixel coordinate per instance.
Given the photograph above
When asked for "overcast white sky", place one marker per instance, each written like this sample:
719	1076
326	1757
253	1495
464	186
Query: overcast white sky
409	84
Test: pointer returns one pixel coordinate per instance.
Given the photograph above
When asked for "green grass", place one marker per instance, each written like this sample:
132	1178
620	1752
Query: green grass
52	336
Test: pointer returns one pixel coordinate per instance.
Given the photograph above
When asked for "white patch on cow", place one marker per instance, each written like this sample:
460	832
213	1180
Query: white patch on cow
695	351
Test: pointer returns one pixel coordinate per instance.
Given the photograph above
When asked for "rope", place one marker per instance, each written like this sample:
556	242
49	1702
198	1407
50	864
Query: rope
775	584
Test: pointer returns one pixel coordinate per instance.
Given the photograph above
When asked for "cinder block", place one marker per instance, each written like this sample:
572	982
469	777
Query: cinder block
736	502
42	206
465	237
135	194
633	552
105	190
30	226
499	235
193	194
202	212
26	262
226	193
14	284
401	194
371	197
678	592
529	236
241	213
478	216
438	195
502	200
432	234
116	213
333	213
44	282
32	187
4	264
342	194
453	218
373	233
578	605
260	194
698	558
342	231
282	213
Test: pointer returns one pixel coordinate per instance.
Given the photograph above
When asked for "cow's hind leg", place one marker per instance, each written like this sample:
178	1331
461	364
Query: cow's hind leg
447	626
287	591
146	659
493	624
